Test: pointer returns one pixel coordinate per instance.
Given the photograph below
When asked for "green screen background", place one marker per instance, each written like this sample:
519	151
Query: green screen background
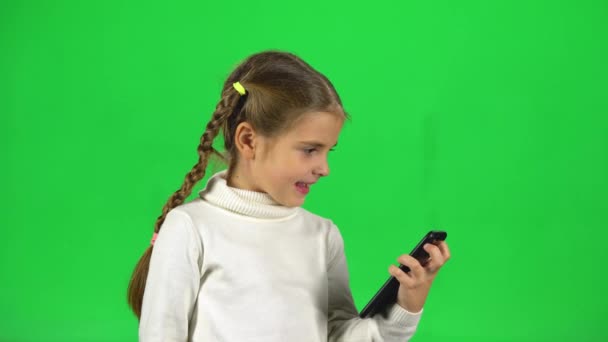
486	119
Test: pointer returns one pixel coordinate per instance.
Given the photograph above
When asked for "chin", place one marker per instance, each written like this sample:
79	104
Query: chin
294	203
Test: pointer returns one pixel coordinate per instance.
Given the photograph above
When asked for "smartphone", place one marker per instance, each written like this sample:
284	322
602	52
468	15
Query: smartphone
388	292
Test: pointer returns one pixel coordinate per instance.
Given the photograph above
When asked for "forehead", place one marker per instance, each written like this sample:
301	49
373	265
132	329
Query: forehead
323	127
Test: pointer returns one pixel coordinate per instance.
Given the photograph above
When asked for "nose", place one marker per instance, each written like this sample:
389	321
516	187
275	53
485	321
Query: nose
323	169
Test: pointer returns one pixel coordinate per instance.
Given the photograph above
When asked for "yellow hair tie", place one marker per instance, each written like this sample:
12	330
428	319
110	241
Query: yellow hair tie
239	88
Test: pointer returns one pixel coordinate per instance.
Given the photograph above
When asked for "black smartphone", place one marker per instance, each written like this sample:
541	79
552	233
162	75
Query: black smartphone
388	292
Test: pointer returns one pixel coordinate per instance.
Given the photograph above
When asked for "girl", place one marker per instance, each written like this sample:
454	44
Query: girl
243	261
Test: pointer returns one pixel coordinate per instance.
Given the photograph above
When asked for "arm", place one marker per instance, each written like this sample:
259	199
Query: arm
173	281
344	323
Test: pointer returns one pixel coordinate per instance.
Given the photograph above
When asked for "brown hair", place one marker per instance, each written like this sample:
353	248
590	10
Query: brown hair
280	88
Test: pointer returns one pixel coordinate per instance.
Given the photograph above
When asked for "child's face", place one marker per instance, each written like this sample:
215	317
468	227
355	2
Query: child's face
296	157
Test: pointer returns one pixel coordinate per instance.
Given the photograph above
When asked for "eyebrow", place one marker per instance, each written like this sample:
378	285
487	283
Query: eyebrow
315	143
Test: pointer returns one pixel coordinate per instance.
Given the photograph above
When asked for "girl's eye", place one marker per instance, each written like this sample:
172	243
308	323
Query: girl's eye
311	150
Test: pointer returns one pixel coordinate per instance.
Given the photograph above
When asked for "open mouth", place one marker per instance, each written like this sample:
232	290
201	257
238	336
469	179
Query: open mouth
302	187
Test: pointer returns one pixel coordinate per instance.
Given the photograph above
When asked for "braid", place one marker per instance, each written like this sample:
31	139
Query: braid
224	109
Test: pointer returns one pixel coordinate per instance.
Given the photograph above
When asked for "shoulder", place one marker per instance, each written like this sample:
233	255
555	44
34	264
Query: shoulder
327	225
333	237
196	210
185	218
177	232
318	220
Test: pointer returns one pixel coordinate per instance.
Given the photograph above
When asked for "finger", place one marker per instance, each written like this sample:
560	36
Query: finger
402	277
437	258
414	265
433	267
445	251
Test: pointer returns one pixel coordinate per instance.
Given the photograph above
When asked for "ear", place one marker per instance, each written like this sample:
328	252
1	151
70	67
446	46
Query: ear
245	140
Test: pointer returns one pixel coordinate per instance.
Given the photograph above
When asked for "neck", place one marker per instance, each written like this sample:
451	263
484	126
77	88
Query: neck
243	201
236	178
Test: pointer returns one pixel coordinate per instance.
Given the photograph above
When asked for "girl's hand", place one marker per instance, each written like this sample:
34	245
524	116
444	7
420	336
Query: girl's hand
415	285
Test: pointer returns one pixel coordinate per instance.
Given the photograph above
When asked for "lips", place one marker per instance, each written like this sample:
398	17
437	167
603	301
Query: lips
303	187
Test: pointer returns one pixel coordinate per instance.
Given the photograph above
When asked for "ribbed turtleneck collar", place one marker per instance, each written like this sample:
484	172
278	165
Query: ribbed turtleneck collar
240	201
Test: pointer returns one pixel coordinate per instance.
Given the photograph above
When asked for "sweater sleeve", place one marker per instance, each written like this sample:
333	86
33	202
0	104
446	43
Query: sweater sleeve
173	281
394	324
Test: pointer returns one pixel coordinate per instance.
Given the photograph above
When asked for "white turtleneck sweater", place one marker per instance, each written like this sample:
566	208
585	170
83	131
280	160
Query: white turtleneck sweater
235	266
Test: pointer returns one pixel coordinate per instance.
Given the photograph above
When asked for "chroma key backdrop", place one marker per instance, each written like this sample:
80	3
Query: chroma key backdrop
487	119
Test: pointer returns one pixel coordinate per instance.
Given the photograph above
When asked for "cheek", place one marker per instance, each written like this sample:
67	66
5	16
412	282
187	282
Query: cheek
286	168
278	171
284	172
